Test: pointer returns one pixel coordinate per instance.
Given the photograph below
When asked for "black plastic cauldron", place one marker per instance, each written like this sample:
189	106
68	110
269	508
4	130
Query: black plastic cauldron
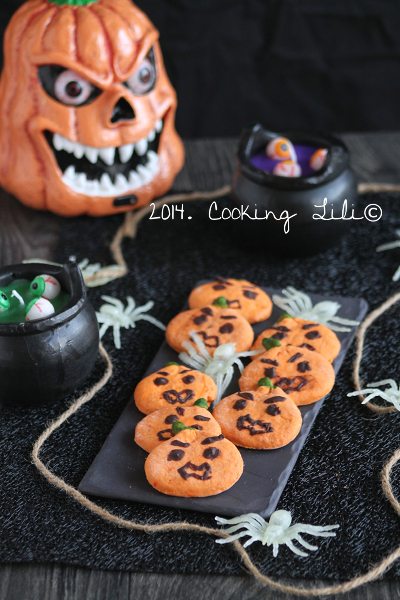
45	360
263	191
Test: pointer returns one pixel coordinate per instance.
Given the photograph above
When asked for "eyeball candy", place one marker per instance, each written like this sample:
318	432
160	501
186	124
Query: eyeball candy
46	286
287	168
4	301
39	308
318	159
281	149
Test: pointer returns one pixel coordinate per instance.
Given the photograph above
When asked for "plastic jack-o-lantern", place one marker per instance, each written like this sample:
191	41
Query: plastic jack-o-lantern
86	108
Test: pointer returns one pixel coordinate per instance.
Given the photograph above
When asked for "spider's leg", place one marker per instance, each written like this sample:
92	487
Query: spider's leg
251	540
390	382
250	518
152	320
275	549
317	530
103	329
117	337
130	306
293	548
114	301
142	309
231	538
303	542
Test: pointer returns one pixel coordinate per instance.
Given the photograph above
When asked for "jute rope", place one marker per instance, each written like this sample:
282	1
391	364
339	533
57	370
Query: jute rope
360	347
371	575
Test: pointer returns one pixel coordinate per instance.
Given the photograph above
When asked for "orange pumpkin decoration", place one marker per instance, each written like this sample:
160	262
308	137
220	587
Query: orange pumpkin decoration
86	108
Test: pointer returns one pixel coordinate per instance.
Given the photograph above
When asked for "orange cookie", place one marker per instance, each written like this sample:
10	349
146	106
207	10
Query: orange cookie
305	375
173	386
264	419
303	334
194	464
248	299
214	325
157	427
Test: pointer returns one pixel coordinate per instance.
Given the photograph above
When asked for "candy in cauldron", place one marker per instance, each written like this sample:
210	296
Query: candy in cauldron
44	360
258	188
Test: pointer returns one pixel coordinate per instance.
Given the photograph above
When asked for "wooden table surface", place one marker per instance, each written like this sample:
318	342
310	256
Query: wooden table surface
25	233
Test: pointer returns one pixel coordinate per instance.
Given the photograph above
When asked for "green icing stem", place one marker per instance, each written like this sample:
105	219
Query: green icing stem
72	2
16	312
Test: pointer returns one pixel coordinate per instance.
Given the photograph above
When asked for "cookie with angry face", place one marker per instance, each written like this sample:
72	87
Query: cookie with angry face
194	464
248	299
173	386
156	428
214	325
303	334
264	419
303	375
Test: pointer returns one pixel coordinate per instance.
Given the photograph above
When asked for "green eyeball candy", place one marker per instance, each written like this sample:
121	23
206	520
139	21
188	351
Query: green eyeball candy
4	301
222	302
37	287
201	403
269	343
266	382
178	426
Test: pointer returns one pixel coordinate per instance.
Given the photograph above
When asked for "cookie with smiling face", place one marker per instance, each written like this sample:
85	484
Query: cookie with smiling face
156	428
303	375
264	419
214	325
248	299
303	334
194	464
173	386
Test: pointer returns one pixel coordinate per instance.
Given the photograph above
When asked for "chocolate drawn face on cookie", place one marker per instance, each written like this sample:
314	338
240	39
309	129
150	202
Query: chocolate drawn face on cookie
248	299
173	386
194	464
304	375
157	427
264	419
303	334
214	325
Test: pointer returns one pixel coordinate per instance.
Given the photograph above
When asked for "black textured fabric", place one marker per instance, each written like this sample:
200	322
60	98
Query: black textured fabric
337	477
312	64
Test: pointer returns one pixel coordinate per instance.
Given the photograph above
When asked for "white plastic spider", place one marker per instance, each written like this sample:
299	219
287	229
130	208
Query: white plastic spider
298	304
390	246
219	367
273	533
115	315
391	394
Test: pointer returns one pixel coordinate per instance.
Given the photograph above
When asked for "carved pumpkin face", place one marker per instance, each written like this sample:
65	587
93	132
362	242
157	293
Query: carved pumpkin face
86	108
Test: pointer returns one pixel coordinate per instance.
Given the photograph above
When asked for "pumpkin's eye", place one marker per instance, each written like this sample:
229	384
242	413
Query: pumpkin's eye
67	86
144	79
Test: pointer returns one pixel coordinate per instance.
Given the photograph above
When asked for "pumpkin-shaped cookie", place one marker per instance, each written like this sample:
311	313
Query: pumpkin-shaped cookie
194	464
264	419
304	375
303	334
215	325
248	299
156	428
173	386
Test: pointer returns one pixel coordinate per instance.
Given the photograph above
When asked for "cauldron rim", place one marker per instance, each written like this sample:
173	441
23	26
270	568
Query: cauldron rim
256	136
70	277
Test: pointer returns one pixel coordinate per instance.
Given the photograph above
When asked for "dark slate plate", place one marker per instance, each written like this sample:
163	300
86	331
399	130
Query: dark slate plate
118	470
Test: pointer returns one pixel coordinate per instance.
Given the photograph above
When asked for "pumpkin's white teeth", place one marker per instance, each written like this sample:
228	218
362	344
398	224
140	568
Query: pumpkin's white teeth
105	187
107	155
